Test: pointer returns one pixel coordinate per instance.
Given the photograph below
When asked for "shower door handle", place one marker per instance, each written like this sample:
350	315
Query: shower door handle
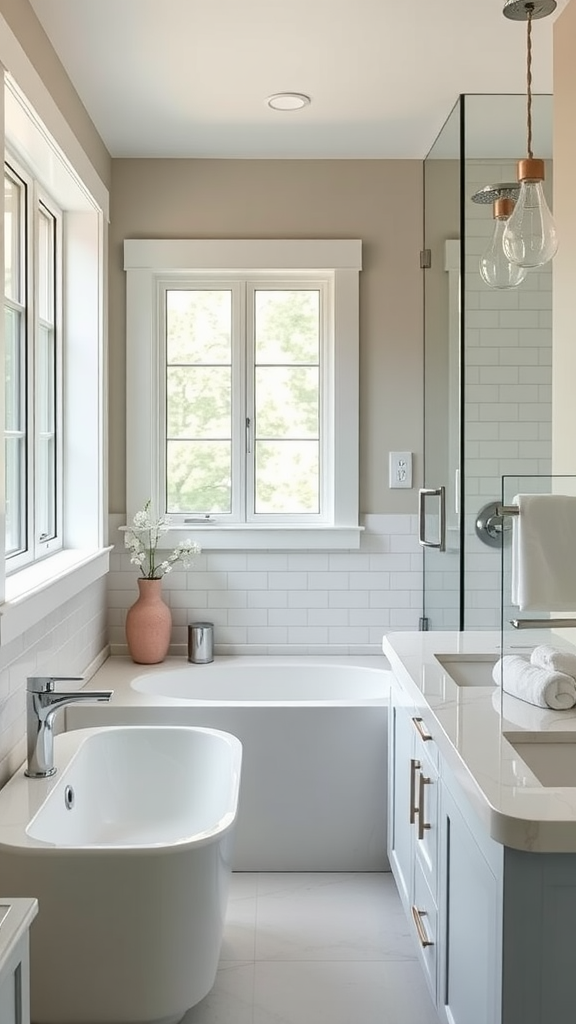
432	492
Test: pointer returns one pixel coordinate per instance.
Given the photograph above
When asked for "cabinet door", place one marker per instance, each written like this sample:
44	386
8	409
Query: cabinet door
401	802
14	986
469	903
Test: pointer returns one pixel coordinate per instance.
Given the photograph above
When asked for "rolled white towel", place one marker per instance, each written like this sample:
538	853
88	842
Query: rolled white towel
555	660
538	686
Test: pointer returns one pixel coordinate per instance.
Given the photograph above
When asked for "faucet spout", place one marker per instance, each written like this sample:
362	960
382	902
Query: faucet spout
42	704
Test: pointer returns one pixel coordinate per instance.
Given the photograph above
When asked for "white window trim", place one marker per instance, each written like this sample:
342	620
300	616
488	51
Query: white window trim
147	260
27	595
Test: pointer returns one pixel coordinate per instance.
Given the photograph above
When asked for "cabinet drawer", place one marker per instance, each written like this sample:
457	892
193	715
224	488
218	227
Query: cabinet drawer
426	820
425	921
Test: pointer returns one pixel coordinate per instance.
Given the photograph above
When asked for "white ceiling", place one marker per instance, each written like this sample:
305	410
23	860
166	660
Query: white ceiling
190	78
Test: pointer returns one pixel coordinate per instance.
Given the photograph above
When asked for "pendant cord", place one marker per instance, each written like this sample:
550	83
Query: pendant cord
529	11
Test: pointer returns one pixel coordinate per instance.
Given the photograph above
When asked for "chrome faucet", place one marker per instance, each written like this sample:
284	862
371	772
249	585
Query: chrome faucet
42	703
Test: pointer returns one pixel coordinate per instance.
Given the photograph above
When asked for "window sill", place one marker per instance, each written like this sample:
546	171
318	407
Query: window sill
39	589
268	538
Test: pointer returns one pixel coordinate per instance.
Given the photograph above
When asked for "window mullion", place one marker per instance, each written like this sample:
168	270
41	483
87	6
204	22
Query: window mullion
249	355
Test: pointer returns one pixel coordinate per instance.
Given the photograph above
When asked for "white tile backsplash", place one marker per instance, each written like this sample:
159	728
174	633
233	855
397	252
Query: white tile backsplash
269	601
70	640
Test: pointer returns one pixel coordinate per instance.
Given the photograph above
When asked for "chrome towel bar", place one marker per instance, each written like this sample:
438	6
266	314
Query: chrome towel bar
543	623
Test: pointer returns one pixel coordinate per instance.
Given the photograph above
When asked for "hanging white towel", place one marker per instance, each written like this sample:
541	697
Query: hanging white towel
544	553
535	685
554	659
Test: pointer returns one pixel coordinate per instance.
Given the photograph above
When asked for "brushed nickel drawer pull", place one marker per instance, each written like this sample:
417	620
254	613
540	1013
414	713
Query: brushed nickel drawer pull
414	767
422	825
421	730
422	937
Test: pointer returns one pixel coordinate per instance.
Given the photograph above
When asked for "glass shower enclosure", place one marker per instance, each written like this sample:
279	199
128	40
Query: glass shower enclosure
487	360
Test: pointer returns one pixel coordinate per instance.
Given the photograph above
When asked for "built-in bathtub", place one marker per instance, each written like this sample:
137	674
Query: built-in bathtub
127	849
314	738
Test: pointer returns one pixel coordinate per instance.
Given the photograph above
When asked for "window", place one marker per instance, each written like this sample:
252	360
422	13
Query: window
52	465
242	401
32	261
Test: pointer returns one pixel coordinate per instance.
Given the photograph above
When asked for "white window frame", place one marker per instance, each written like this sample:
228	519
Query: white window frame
53	156
34	196
148	263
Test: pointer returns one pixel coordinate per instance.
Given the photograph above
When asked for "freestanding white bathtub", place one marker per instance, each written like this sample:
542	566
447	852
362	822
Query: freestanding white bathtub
127	849
314	738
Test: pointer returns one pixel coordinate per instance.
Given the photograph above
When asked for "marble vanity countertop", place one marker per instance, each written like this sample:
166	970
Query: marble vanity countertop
470	725
16	916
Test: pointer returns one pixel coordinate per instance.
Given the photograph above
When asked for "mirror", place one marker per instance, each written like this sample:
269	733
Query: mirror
488	353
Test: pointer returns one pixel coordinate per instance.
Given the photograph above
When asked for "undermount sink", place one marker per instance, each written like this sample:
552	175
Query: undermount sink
469	669
552	760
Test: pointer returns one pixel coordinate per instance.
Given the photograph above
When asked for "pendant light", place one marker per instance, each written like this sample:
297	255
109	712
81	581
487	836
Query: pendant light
495	267
529	236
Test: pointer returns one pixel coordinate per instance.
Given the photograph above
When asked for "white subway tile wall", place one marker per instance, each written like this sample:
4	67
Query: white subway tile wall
265	602
68	641
508	411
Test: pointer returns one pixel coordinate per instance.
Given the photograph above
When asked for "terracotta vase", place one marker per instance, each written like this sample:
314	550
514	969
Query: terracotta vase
148	625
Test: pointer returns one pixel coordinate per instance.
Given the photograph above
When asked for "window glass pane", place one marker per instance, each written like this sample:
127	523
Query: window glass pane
199	402
13	240
15	370
15	454
287	326
199	476
46	231
46	433
287	477
198	326
287	401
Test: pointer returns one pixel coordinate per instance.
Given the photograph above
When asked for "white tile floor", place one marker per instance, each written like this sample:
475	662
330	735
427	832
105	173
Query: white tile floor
316	949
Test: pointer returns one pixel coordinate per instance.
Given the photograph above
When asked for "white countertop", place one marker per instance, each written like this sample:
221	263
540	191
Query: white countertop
469	724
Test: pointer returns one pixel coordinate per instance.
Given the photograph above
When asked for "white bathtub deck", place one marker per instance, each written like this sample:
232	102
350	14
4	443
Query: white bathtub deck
312	948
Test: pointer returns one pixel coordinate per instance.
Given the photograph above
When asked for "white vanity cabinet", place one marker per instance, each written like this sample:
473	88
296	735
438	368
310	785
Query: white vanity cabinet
470	946
16	916
413	827
494	926
483	851
450	886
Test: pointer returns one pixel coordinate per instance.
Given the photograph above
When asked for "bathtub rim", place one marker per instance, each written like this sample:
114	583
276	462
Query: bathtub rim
14	838
118	672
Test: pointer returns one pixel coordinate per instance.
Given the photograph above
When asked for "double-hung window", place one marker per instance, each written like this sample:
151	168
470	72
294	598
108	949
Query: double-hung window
242	399
32	281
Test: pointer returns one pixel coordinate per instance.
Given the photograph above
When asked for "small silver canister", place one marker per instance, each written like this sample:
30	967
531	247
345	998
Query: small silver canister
201	642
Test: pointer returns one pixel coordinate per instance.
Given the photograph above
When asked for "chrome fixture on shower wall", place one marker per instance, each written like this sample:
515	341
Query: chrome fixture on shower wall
495	267
529	237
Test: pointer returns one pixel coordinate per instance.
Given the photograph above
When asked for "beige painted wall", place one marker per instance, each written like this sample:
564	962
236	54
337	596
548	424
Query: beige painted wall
564	290
377	201
21	19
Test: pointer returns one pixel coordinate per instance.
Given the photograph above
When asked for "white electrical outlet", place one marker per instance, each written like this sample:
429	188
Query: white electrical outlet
400	469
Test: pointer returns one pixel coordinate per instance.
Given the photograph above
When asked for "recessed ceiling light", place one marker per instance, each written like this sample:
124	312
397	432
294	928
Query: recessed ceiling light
288	100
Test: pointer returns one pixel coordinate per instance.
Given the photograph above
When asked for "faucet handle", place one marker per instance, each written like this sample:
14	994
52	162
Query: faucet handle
45	684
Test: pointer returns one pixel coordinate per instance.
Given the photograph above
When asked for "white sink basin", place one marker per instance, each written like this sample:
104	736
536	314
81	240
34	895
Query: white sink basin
552	760
469	669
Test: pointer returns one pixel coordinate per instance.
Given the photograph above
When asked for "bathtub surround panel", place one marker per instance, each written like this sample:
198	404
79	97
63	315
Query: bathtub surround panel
314	763
287	602
70	640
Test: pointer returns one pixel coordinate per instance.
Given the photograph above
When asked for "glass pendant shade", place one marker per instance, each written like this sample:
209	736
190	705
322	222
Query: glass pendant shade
495	267
530	238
